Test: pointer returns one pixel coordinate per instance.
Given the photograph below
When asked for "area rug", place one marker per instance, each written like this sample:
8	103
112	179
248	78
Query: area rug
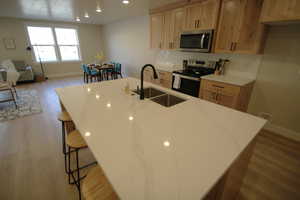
28	104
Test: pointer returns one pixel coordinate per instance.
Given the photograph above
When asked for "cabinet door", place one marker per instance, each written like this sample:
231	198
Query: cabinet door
227	100
165	79
208	14
228	25
209	95
202	16
156	29
177	24
168	30
191	18
250	33
280	10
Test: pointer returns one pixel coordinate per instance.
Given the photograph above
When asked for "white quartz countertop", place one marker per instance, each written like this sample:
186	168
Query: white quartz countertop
148	151
234	80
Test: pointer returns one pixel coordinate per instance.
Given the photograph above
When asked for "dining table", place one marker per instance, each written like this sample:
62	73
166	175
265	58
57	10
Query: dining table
103	68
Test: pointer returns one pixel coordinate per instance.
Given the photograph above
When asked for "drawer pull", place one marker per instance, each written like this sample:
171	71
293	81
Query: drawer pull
218	86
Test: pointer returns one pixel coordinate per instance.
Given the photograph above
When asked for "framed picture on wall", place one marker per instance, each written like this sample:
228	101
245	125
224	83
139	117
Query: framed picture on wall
9	43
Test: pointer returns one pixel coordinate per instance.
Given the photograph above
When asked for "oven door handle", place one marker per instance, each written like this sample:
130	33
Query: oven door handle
202	40
187	77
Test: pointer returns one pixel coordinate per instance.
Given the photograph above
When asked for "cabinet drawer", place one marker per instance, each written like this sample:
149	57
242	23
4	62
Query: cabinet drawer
222	88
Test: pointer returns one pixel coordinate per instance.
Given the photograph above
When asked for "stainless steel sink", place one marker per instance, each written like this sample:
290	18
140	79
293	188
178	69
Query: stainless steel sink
150	92
167	100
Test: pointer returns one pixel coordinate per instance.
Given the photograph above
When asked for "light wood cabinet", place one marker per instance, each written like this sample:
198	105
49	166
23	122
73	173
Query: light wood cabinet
164	78
239	29
156	30
280	11
202	15
177	25
166	28
232	96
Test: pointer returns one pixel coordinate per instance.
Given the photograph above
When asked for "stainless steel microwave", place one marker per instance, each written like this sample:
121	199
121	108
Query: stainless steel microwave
199	41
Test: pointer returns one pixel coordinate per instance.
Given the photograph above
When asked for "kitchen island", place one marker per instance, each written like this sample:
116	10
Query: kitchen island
149	151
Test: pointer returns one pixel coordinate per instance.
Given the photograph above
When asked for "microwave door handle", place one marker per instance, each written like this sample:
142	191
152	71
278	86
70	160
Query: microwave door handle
202	40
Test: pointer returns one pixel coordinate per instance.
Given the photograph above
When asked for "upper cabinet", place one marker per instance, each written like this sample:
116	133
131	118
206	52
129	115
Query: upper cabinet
173	26
178	25
166	28
156	30
239	29
236	23
202	15
280	11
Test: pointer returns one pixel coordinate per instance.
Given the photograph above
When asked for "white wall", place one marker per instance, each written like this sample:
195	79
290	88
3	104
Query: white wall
277	88
89	37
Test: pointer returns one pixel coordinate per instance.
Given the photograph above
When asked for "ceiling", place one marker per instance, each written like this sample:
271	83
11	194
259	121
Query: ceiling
68	10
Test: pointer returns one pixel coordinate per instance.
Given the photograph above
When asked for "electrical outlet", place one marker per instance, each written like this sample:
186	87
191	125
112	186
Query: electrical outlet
266	116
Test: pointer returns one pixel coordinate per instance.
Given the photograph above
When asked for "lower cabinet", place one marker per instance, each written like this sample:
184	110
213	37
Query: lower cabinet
164	78
232	96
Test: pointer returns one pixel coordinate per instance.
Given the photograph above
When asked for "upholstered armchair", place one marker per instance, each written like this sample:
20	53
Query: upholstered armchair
26	72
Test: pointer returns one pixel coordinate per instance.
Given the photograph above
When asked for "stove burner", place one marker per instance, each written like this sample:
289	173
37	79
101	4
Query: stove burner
195	71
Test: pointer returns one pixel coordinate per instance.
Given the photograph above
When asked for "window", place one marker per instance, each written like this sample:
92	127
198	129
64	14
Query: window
68	43
54	44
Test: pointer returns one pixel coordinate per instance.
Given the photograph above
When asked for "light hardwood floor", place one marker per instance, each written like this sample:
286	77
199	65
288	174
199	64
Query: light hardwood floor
31	161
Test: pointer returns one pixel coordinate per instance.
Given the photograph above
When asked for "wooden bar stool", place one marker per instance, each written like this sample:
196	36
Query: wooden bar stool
64	118
96	186
75	142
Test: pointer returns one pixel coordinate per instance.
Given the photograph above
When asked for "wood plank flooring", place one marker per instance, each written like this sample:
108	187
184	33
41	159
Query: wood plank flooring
31	161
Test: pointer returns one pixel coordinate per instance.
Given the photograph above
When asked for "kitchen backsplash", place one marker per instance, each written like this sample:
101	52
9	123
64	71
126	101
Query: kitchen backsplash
239	65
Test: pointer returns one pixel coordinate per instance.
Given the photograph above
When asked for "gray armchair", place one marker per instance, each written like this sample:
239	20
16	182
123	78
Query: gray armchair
26	72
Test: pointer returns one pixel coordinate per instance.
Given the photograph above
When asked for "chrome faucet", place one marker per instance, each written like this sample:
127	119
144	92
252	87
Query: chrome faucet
142	95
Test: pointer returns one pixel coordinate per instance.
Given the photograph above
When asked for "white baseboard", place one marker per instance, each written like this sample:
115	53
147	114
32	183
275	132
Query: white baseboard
283	131
64	75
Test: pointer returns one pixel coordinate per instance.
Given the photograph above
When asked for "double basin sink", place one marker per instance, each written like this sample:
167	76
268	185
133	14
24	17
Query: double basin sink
160	97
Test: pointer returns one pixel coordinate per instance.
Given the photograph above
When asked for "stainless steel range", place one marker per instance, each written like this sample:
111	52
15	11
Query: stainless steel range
188	80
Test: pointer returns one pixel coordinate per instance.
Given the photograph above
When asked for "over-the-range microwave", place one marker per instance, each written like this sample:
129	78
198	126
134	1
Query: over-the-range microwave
199	41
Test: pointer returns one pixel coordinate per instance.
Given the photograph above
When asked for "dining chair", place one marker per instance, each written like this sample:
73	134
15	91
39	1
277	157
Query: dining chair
117	70
85	73
92	73
109	72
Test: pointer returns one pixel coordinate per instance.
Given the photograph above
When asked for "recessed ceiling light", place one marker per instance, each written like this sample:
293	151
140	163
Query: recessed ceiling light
125	1
86	15
167	143
77	19
98	10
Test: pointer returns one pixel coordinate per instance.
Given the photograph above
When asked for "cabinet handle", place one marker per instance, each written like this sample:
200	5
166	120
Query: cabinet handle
231	46
217	95
160	45
196	23
170	45
234	46
213	95
218	86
